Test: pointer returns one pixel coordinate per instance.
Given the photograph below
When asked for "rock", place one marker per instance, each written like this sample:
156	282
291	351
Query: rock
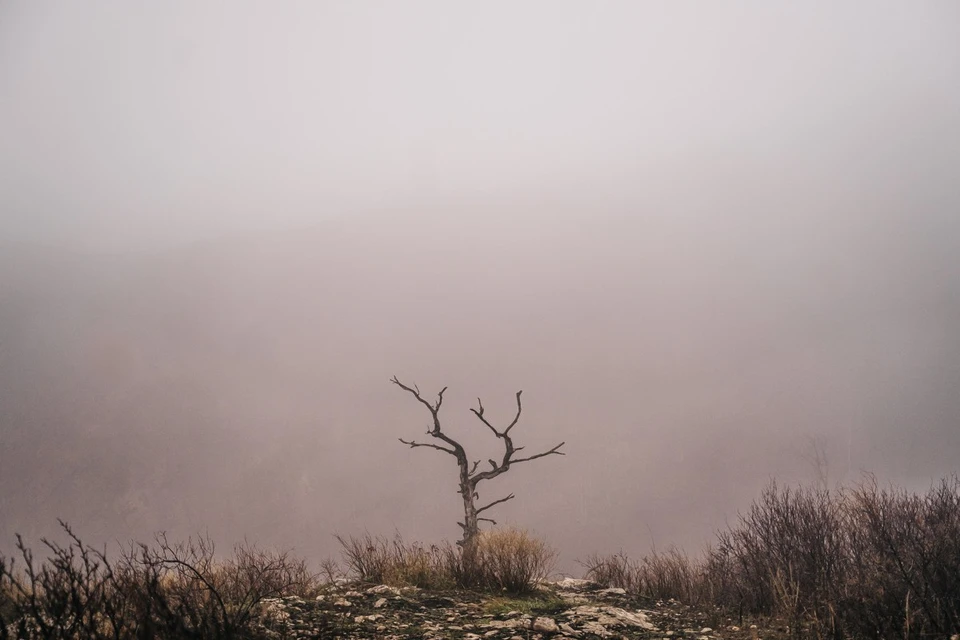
568	630
381	602
517	623
595	628
706	630
613	616
382	589
575	584
613	591
342	603
547	625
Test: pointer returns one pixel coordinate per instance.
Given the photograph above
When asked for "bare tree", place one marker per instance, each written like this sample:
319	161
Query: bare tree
469	476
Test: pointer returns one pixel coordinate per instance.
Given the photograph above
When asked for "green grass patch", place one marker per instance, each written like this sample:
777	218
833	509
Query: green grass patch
539	605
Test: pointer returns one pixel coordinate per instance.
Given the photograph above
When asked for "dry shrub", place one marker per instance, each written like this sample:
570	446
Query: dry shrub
164	591
512	559
658	576
396	562
855	562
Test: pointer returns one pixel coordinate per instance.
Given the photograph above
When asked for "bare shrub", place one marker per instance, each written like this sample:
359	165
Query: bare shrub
855	562
168	590
330	570
613	570
367	556
189	592
658	576
71	594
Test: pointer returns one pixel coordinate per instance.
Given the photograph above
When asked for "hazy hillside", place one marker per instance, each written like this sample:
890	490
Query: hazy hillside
240	385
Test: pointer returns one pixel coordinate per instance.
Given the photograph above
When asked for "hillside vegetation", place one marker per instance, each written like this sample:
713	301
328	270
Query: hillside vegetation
806	562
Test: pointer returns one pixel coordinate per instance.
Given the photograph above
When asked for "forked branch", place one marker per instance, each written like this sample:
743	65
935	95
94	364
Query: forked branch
509	449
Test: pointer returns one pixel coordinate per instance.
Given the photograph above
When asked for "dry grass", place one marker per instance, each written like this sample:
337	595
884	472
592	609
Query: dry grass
513	560
507	559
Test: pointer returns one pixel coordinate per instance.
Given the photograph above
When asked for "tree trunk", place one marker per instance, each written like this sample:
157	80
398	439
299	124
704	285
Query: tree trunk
471	526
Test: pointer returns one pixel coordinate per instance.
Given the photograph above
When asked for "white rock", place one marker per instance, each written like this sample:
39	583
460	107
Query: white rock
567	629
382	589
381	602
342	603
575	583
614	616
706	630
547	625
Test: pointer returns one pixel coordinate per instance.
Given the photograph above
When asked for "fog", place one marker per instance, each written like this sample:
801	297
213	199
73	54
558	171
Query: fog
704	239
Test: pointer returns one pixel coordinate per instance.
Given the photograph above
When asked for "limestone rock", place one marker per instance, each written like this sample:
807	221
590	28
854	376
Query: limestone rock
382	589
575	584
547	625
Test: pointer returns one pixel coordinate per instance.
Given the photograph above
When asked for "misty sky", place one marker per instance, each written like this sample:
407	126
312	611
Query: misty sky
698	235
130	124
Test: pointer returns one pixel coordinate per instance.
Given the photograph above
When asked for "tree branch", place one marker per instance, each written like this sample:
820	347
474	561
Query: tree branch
495	502
479	414
415	392
554	451
516	418
427	444
434	409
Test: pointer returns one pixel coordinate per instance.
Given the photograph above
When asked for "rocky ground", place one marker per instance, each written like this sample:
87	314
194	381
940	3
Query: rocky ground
566	609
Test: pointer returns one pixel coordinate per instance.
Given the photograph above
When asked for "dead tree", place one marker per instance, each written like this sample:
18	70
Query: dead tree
469	476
